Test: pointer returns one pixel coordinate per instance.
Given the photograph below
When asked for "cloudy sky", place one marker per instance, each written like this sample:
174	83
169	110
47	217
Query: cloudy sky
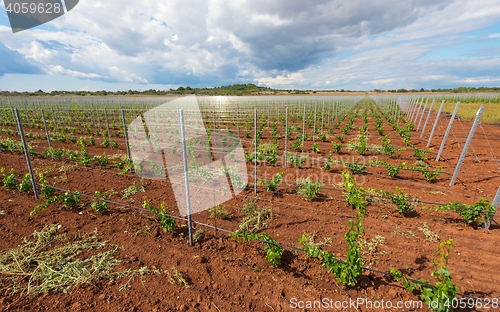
292	44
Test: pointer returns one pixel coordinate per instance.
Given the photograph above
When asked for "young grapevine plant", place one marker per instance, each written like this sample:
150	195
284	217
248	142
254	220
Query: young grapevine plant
308	188
100	205
355	197
9	180
439	297
273	250
355	167
346	271
296	160
393	171
272	185
166	221
474	214
401	200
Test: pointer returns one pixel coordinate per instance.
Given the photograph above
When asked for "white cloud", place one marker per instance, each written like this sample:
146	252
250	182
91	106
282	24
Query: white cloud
59	70
280	81
480	80
4	30
288	43
269	20
381	81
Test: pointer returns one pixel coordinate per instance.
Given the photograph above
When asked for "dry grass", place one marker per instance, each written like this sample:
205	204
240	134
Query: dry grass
467	111
53	262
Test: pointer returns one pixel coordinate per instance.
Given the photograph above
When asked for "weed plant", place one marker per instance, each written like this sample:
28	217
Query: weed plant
273	184
219	212
308	188
167	223
254	217
401	200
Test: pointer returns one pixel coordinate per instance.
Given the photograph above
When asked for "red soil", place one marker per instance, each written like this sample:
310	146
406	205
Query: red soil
229	275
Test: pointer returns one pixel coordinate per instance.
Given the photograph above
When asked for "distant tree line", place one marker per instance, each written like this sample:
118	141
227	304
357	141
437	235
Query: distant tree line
235	89
454	90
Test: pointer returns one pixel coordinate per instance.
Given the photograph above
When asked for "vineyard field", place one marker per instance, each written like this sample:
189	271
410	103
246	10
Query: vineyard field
320	177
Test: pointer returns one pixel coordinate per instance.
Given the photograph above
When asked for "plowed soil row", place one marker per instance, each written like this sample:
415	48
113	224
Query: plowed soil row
229	275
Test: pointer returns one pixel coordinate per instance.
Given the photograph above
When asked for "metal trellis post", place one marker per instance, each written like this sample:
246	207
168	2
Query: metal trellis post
186	175
435	123
427	118
447	131
27	154
467	144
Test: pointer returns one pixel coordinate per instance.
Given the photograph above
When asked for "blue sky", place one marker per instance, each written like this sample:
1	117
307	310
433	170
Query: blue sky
291	44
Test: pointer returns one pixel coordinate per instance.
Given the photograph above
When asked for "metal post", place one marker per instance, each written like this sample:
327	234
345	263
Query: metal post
417	112
495	203
322	115
435	123
214	138
399	113
92	114
27	154
125	134
238	119
107	125
422	115
54	120
14	117
405	106
329	109
186	175
408	108
413	107
314	130
2	119
467	144
427	118
46	129
416	107
396	109
303	127
268	115
447	131
98	118
286	135
278	112
255	151
26	108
